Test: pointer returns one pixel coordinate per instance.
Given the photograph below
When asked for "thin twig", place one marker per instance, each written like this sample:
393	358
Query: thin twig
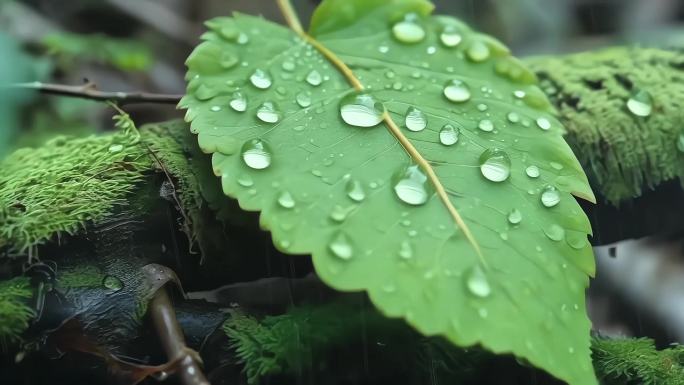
188	361
90	91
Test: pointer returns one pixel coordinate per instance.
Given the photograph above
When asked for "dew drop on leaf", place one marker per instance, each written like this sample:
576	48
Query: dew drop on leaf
215	108
261	79
450	36
314	78
457	91
229	60
355	190
405	250
550	196
495	165
415	119
245	181
409	30
532	171
411	186
515	217
513	117
361	110
205	92
478	51
543	123
341	247
640	103
238	102
256	154
486	125
449	135
577	241
477	283
286	200
268	113
554	232
112	283
304	99
289	65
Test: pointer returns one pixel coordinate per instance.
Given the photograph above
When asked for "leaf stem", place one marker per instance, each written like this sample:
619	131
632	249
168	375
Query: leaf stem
291	17
90	91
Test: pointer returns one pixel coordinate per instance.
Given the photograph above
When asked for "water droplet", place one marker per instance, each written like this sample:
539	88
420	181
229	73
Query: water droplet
409	30
514	216
314	78
242	39
457	91
304	99
431	50
478	51
229	60
238	102
513	117
556	166
115	148
555	232
215	108
411	186
355	190
486	125
268	113
112	283
204	92
341	247
482	107
289	65
450	36
449	135
245	181
550	196
339	213
495	165
383	49
577	240
477	283
543	123
405	250
532	171
286	200
261	79
361	110
640	103
415	119
256	154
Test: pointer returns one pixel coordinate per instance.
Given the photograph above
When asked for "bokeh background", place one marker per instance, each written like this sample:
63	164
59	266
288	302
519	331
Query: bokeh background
126	45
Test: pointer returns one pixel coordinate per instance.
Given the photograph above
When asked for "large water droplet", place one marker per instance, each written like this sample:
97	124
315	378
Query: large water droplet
314	78
341	247
405	250
268	113
286	200
112	283
450	36
457	91
411	186
555	232
515	216
304	99
478	51
415	119
256	154
640	103
355	190
477	283
550	196
486	125
532	171
238	102
361	110
409	30
495	165
449	135
261	79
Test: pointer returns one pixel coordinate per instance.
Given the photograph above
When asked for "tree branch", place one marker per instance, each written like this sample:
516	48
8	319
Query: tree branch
90	91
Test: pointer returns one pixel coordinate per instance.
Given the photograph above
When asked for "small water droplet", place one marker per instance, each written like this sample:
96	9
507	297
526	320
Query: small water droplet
204	92
486	125
383	49
577	240
457	91
556	166
519	94
245	181
550	196
289	65
555	232
495	165
339	213
341	247
411	186
242	39
640	103
532	171
477	283
112	283
261	79
355	190
450	36
361	110
431	50
286	200
514	216
478	51
405	250
409	30
304	99
238	102
215	108
543	123
482	107
256	154
268	113
513	117
449	135
415	119
314	78
229	60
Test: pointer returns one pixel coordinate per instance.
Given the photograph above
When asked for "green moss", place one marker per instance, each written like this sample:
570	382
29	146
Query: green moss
14	313
81	276
623	154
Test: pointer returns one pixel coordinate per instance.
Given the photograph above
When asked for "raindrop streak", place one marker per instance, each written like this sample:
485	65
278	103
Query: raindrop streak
555	232
450	36
640	103
409	30
495	165
239	102
286	200
486	125
355	190
532	171
477	283
415	119
268	113
411	186
457	91
112	283
550	196
304	99
543	123
341	247
478	51
256	154
405	250
314	78
361	110
260	79
449	135
515	217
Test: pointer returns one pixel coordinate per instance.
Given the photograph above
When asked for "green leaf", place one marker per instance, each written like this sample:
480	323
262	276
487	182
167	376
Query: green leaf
392	210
